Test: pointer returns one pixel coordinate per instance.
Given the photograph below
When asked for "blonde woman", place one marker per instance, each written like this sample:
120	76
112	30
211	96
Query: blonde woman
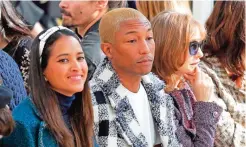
178	39
151	8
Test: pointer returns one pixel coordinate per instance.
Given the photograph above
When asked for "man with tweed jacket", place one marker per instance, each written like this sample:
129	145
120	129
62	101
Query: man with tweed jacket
130	106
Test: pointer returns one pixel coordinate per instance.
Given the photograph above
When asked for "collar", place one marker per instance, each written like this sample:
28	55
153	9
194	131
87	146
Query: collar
65	102
93	28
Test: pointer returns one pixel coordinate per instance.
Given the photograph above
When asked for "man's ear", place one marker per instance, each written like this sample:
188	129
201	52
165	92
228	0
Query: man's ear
101	4
107	49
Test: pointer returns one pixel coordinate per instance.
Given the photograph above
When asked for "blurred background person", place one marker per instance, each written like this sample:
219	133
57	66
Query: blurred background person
51	16
224	61
15	37
32	15
131	4
151	8
12	79
39	15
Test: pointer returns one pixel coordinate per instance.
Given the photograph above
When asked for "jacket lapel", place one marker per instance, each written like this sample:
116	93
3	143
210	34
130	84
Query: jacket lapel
45	138
154	89
126	121
161	108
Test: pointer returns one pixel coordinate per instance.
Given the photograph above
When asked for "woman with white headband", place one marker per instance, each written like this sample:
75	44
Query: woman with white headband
59	112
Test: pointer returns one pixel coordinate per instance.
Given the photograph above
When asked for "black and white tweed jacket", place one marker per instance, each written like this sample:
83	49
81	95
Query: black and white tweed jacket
115	124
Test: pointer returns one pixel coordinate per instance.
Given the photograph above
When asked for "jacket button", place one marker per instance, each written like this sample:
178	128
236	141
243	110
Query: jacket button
215	114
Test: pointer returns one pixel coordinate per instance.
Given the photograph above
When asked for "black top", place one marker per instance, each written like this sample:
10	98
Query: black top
19	51
65	103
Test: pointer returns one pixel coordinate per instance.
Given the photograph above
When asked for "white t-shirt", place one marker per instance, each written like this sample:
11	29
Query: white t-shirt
140	104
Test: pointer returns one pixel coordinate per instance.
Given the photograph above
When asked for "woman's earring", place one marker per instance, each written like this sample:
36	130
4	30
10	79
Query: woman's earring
45	79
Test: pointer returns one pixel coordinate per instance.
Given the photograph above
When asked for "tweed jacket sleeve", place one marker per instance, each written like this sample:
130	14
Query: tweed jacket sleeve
196	121
231	128
205	118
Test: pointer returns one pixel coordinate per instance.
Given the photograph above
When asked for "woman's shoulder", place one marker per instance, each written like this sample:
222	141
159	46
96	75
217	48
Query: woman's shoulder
211	62
7	62
4	56
12	78
213	67
26	113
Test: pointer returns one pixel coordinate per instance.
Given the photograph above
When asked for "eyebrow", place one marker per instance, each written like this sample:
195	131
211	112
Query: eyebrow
132	32
66	54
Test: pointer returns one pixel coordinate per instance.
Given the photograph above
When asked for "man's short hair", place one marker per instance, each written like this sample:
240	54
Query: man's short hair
111	21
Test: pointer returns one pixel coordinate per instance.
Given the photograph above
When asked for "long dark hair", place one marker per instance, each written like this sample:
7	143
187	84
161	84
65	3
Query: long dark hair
47	104
226	34
11	25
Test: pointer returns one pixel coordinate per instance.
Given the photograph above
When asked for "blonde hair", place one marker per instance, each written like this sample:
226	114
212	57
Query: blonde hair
172	32
151	8
110	22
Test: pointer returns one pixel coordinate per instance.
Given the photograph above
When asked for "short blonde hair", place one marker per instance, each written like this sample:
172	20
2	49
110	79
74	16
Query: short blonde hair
151	8
110	22
172	33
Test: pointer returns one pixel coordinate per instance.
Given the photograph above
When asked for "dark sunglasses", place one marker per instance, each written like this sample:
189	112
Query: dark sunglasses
194	47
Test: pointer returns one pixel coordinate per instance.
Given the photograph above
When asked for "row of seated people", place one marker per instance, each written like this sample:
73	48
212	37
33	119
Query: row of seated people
116	99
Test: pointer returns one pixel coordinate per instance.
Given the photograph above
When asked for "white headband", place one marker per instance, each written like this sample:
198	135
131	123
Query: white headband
46	35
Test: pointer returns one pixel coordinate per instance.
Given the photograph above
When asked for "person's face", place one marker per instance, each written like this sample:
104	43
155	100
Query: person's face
66	70
76	13
192	54
133	48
